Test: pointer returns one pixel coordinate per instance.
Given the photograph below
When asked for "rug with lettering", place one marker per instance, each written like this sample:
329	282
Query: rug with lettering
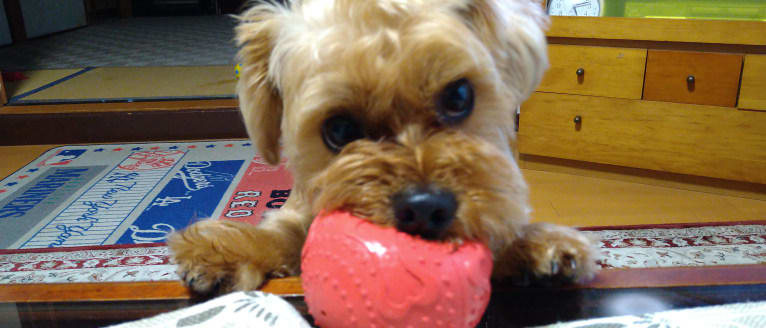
96	195
100	213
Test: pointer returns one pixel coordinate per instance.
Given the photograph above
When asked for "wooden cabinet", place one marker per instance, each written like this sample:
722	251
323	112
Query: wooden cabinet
660	98
709	141
752	94
692	77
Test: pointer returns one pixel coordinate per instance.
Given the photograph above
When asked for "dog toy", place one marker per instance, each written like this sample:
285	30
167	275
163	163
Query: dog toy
237	70
359	274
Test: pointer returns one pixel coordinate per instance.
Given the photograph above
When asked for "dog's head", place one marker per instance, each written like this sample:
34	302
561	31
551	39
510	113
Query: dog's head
339	78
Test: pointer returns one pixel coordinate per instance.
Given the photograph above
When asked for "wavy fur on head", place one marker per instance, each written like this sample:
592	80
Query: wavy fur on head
385	63
384	59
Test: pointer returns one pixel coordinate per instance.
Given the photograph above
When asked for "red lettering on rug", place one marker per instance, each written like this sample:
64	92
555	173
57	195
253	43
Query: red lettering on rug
262	188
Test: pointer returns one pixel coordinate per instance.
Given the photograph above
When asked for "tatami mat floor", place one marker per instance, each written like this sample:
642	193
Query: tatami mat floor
123	84
130	42
132	59
36	79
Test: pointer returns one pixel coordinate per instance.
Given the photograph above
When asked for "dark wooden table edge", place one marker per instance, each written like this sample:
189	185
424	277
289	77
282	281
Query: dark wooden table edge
120	122
291	286
95	107
751	274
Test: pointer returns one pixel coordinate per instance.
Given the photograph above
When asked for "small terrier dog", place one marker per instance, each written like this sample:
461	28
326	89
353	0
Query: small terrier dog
399	111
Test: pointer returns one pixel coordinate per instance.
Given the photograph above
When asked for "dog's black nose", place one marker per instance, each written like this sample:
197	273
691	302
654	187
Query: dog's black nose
425	211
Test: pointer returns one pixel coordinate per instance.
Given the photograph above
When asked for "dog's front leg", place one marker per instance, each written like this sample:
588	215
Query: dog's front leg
221	255
548	254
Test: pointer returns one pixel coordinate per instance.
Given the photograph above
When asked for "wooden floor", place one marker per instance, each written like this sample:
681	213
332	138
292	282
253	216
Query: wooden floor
572	199
587	201
15	157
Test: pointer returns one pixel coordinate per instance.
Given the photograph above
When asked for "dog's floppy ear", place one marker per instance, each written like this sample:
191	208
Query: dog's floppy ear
515	31
259	98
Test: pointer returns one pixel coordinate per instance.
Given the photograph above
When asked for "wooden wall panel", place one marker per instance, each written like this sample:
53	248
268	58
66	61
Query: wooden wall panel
659	29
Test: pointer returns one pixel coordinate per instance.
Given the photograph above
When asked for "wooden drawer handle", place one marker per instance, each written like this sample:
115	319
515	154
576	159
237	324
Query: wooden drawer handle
578	119
580	71
690	85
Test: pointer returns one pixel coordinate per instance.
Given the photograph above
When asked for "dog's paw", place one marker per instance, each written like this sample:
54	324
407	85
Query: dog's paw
198	277
216	256
548	254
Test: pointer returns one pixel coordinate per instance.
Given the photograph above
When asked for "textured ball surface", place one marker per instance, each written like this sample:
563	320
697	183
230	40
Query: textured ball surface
358	274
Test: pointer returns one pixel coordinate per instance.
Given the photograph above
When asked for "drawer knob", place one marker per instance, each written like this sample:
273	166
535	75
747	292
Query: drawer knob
578	119
690	79
580	71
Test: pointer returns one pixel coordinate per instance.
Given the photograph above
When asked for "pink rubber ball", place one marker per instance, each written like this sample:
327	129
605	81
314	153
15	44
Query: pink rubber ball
358	274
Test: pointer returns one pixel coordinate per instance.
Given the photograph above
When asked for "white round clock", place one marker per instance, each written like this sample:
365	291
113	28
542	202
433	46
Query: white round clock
575	7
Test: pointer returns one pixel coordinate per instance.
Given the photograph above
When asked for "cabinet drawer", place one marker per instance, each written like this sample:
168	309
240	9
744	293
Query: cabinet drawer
608	72
692	77
699	140
752	94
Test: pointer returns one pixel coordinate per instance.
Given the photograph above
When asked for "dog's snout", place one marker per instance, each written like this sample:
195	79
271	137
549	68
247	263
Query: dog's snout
424	211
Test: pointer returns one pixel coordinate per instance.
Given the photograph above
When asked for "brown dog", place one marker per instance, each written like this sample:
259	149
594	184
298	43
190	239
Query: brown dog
400	111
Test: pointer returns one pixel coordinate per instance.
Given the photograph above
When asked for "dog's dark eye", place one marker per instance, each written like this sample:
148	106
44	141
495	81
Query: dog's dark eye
455	103
340	130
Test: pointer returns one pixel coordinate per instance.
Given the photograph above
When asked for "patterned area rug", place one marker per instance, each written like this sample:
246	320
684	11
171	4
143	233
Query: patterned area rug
682	245
117	263
97	195
99	213
626	247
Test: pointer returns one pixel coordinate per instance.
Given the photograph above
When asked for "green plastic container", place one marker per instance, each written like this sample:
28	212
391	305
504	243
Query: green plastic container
691	9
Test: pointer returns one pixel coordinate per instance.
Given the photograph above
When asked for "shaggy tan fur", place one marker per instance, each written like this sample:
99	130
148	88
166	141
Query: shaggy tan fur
384	62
